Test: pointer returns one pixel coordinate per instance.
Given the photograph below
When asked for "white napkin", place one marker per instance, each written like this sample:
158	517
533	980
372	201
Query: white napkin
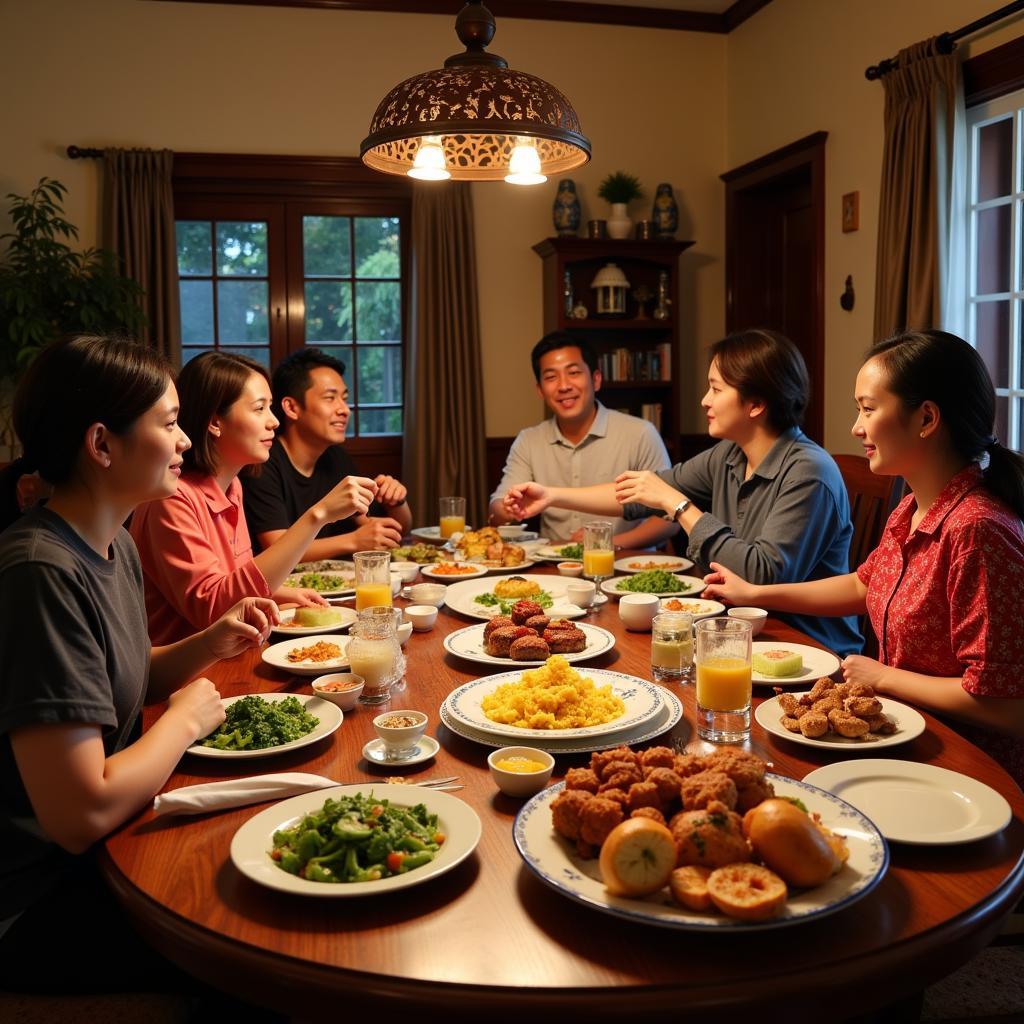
213	796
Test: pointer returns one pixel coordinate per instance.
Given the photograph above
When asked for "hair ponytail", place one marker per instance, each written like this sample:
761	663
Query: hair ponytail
1004	477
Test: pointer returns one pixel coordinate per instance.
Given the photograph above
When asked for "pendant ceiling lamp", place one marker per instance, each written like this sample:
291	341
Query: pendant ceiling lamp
475	119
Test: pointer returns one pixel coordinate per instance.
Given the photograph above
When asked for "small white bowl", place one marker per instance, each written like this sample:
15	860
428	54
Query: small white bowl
396	583
404	632
637	611
400	731
511	530
570	568
520	784
345	699
755	616
421	617
408	570
426	593
581	593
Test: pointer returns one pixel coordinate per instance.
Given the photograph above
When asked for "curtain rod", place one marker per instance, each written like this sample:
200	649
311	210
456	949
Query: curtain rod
83	153
946	42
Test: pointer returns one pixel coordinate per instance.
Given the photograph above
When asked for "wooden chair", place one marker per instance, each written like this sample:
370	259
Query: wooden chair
872	498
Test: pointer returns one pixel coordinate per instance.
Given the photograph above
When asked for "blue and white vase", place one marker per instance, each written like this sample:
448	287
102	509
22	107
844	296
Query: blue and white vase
566	211
665	213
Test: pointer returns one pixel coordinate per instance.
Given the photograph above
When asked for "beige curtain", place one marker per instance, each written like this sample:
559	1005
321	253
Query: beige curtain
444	449
917	178
138	223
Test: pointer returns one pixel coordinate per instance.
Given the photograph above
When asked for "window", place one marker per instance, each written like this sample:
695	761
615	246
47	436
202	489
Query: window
995	314
270	265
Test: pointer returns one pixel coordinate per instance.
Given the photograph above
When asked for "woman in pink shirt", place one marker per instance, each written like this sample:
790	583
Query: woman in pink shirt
945	587
194	545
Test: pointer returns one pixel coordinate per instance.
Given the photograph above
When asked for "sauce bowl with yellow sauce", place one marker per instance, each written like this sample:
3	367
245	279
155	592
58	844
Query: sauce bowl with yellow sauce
520	771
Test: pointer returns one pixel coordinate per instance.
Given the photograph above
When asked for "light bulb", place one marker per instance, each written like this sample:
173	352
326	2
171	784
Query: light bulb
429	162
524	166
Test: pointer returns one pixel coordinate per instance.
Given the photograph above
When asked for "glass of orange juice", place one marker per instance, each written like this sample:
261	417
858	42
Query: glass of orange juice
598	550
373	579
453	516
724	690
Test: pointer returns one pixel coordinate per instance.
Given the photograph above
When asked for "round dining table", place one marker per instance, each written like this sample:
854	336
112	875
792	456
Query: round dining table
489	940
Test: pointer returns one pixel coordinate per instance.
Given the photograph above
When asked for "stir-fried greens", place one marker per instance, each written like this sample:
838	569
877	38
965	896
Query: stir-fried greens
654	581
358	839
253	723
574	552
319	582
422	553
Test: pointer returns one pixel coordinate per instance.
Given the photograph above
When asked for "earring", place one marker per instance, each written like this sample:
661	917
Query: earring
922	433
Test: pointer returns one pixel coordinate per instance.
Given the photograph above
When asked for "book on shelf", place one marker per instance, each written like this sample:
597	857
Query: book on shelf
629	364
651	411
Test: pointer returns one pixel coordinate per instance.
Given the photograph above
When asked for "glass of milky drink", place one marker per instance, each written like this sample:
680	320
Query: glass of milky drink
724	688
375	653
452	517
672	647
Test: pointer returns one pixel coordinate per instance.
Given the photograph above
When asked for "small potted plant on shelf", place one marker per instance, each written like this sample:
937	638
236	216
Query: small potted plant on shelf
620	189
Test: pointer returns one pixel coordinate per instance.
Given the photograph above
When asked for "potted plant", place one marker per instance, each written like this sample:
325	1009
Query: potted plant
48	289
620	189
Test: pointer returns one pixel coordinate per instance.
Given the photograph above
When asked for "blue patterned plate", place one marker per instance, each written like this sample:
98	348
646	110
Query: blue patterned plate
554	860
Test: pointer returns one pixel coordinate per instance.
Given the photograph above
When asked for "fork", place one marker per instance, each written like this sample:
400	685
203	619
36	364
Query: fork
447	784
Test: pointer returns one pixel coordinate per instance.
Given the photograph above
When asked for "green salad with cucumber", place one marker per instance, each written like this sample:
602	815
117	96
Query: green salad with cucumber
358	839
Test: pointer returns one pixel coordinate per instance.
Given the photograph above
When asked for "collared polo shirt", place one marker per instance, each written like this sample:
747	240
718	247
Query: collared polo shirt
614	444
196	556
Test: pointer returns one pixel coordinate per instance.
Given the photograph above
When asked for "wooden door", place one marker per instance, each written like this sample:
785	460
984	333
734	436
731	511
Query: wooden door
775	255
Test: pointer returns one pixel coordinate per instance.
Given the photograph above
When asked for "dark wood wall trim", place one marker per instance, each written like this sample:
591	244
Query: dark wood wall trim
778	160
994	73
537	10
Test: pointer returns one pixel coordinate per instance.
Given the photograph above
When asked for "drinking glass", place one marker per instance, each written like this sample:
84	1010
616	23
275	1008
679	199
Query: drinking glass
375	653
672	647
723	680
598	550
373	579
452	516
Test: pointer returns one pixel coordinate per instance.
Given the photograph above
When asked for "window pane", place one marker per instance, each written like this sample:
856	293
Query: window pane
377	247
242	248
992	339
328	312
261	353
378	311
380	421
326	247
193	239
379	374
196	312
994	250
995	159
188	354
242	313
1003	420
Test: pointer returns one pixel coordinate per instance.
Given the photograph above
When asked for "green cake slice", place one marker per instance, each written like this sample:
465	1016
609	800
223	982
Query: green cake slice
317	616
777	662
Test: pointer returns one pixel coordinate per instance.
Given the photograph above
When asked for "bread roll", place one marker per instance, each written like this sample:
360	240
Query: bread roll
637	857
789	842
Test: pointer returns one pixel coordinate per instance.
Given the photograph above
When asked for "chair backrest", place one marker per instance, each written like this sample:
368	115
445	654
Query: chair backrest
872	498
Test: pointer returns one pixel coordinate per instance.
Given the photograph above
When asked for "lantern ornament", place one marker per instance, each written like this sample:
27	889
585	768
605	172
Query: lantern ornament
611	286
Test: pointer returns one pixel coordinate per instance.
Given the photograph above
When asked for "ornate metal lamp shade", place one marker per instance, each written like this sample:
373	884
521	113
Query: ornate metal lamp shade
480	113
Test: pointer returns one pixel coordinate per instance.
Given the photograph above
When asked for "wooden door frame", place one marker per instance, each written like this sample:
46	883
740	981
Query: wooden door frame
806	152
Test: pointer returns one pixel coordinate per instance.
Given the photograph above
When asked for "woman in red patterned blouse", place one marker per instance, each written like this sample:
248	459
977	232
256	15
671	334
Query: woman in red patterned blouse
945	587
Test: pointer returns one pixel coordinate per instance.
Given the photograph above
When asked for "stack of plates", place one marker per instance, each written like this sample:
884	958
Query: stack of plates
650	711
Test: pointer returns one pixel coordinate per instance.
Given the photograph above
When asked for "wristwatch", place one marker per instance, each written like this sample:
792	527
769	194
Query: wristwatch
681	507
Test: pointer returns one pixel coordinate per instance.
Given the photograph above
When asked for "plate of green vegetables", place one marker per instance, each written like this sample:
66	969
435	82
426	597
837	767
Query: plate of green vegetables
260	724
356	840
654	581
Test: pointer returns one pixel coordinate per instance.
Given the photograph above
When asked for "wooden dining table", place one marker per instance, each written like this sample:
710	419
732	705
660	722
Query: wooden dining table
489	940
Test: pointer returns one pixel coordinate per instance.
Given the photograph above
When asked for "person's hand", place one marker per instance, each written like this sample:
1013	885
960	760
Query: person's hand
390	492
376	533
350	497
647	488
524	501
726	586
858	669
576	537
299	597
199	705
245	625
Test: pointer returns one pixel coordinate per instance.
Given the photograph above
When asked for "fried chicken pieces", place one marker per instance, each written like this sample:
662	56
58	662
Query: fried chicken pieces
850	710
527	634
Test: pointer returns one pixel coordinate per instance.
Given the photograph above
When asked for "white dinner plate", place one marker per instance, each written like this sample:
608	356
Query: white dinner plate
666	719
556	863
473	571
329	714
251	845
914	803
689	586
641	563
499	570
460	597
287	627
522	537
468	643
343	583
699	608
909	724
642	699
432	534
277	655
553	553
817	663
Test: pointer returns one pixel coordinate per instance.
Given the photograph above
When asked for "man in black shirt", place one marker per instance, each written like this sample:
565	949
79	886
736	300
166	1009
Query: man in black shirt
308	458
